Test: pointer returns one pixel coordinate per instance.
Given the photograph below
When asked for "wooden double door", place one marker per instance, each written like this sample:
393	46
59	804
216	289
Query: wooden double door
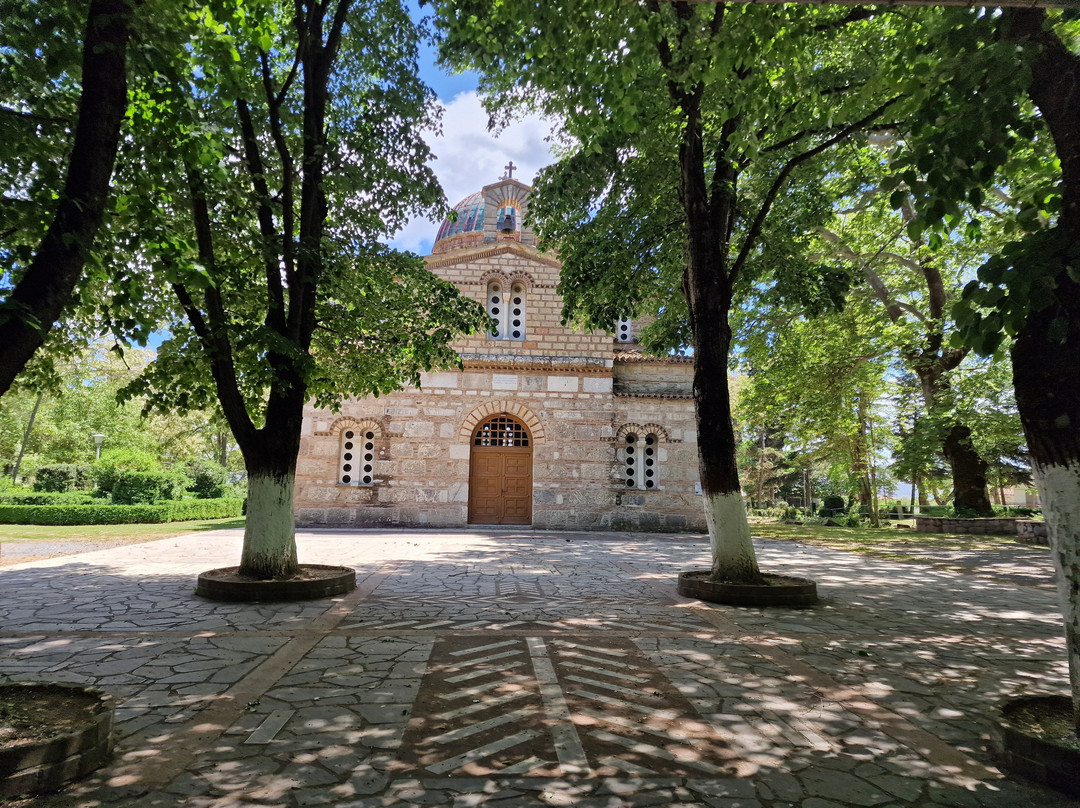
500	473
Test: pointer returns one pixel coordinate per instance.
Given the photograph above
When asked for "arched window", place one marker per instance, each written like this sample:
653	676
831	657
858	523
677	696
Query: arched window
624	331
506	306
356	460
506	221
640	460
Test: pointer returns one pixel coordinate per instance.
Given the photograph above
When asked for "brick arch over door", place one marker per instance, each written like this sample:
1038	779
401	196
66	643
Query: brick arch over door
519	411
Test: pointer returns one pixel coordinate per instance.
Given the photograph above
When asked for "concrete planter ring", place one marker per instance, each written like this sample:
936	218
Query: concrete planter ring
778	590
313	581
42	764
1023	739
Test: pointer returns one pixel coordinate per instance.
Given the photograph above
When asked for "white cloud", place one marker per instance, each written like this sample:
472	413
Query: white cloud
469	157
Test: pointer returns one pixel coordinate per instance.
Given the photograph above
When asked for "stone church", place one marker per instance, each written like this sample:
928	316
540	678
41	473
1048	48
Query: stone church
544	425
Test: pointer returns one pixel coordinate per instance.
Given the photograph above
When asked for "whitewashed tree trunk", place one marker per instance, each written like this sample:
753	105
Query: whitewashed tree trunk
729	534
1059	486
270	532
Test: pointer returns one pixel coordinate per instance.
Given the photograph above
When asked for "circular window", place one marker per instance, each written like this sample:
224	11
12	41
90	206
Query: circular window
494	298
345	478
648	483
348	444
517	301
348	435
518	289
367	480
367	458
347	467
369	446
348	456
631	438
629	482
496	287
370	436
494	310
517	334
367	469
649	441
517	323
648	472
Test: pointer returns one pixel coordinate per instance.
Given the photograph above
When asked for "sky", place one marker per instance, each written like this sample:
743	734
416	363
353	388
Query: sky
468	157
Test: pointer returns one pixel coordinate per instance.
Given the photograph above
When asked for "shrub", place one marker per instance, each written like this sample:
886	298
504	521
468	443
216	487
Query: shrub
61	477
207	479
114	461
46	498
145	487
831	506
175	511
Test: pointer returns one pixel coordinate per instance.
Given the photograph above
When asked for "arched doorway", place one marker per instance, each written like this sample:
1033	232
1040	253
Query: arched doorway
500	472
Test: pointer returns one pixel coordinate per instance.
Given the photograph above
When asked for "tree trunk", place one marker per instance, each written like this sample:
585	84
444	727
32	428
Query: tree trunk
968	473
45	289
26	438
725	514
1046	371
269	549
707	288
1046	375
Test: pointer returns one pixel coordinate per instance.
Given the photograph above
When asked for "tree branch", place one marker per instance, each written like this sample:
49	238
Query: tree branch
759	220
275	311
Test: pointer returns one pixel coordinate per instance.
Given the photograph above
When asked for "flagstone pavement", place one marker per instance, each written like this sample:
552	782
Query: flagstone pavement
507	668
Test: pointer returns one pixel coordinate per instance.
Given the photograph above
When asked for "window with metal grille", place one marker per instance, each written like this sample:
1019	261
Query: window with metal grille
501	430
357	458
624	330
640	461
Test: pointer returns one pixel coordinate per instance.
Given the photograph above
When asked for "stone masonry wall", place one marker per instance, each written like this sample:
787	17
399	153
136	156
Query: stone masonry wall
421	465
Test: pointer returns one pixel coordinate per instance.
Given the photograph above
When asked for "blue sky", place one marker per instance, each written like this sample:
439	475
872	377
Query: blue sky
468	157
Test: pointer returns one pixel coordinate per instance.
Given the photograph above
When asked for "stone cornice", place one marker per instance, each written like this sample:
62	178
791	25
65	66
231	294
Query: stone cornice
466	255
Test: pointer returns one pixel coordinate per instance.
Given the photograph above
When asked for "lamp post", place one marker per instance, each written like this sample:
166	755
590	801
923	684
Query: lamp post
98	438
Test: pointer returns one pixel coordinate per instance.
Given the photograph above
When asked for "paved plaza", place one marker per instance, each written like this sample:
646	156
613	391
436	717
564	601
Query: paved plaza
521	668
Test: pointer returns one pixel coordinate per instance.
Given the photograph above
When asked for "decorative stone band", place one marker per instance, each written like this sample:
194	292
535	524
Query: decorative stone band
581	364
527	417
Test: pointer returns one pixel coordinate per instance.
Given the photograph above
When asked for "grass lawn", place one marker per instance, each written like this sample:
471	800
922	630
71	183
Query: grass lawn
889	542
28	542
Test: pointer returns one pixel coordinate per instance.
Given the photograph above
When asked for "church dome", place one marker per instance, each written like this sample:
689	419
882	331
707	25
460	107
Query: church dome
469	219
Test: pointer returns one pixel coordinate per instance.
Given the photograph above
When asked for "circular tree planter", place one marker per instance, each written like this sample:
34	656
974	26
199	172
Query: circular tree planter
313	581
778	590
1025	737
70	736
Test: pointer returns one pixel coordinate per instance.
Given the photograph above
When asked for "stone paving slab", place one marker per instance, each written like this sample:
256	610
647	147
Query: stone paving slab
522	668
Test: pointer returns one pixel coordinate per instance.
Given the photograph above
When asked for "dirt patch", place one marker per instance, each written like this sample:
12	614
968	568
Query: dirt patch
38	713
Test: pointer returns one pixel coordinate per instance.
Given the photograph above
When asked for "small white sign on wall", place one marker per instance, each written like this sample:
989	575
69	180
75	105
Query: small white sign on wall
504	381
697	488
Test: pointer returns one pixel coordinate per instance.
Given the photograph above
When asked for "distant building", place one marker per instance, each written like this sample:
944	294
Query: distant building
545	426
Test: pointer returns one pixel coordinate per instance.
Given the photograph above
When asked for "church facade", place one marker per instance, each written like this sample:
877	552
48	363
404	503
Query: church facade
544	425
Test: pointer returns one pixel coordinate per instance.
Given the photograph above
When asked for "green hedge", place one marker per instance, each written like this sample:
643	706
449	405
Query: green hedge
49	498
174	511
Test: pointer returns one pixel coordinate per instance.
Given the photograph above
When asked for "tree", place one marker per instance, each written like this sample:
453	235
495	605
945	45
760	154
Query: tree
41	271
1003	80
287	140
691	132
54	423
914	280
824	376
